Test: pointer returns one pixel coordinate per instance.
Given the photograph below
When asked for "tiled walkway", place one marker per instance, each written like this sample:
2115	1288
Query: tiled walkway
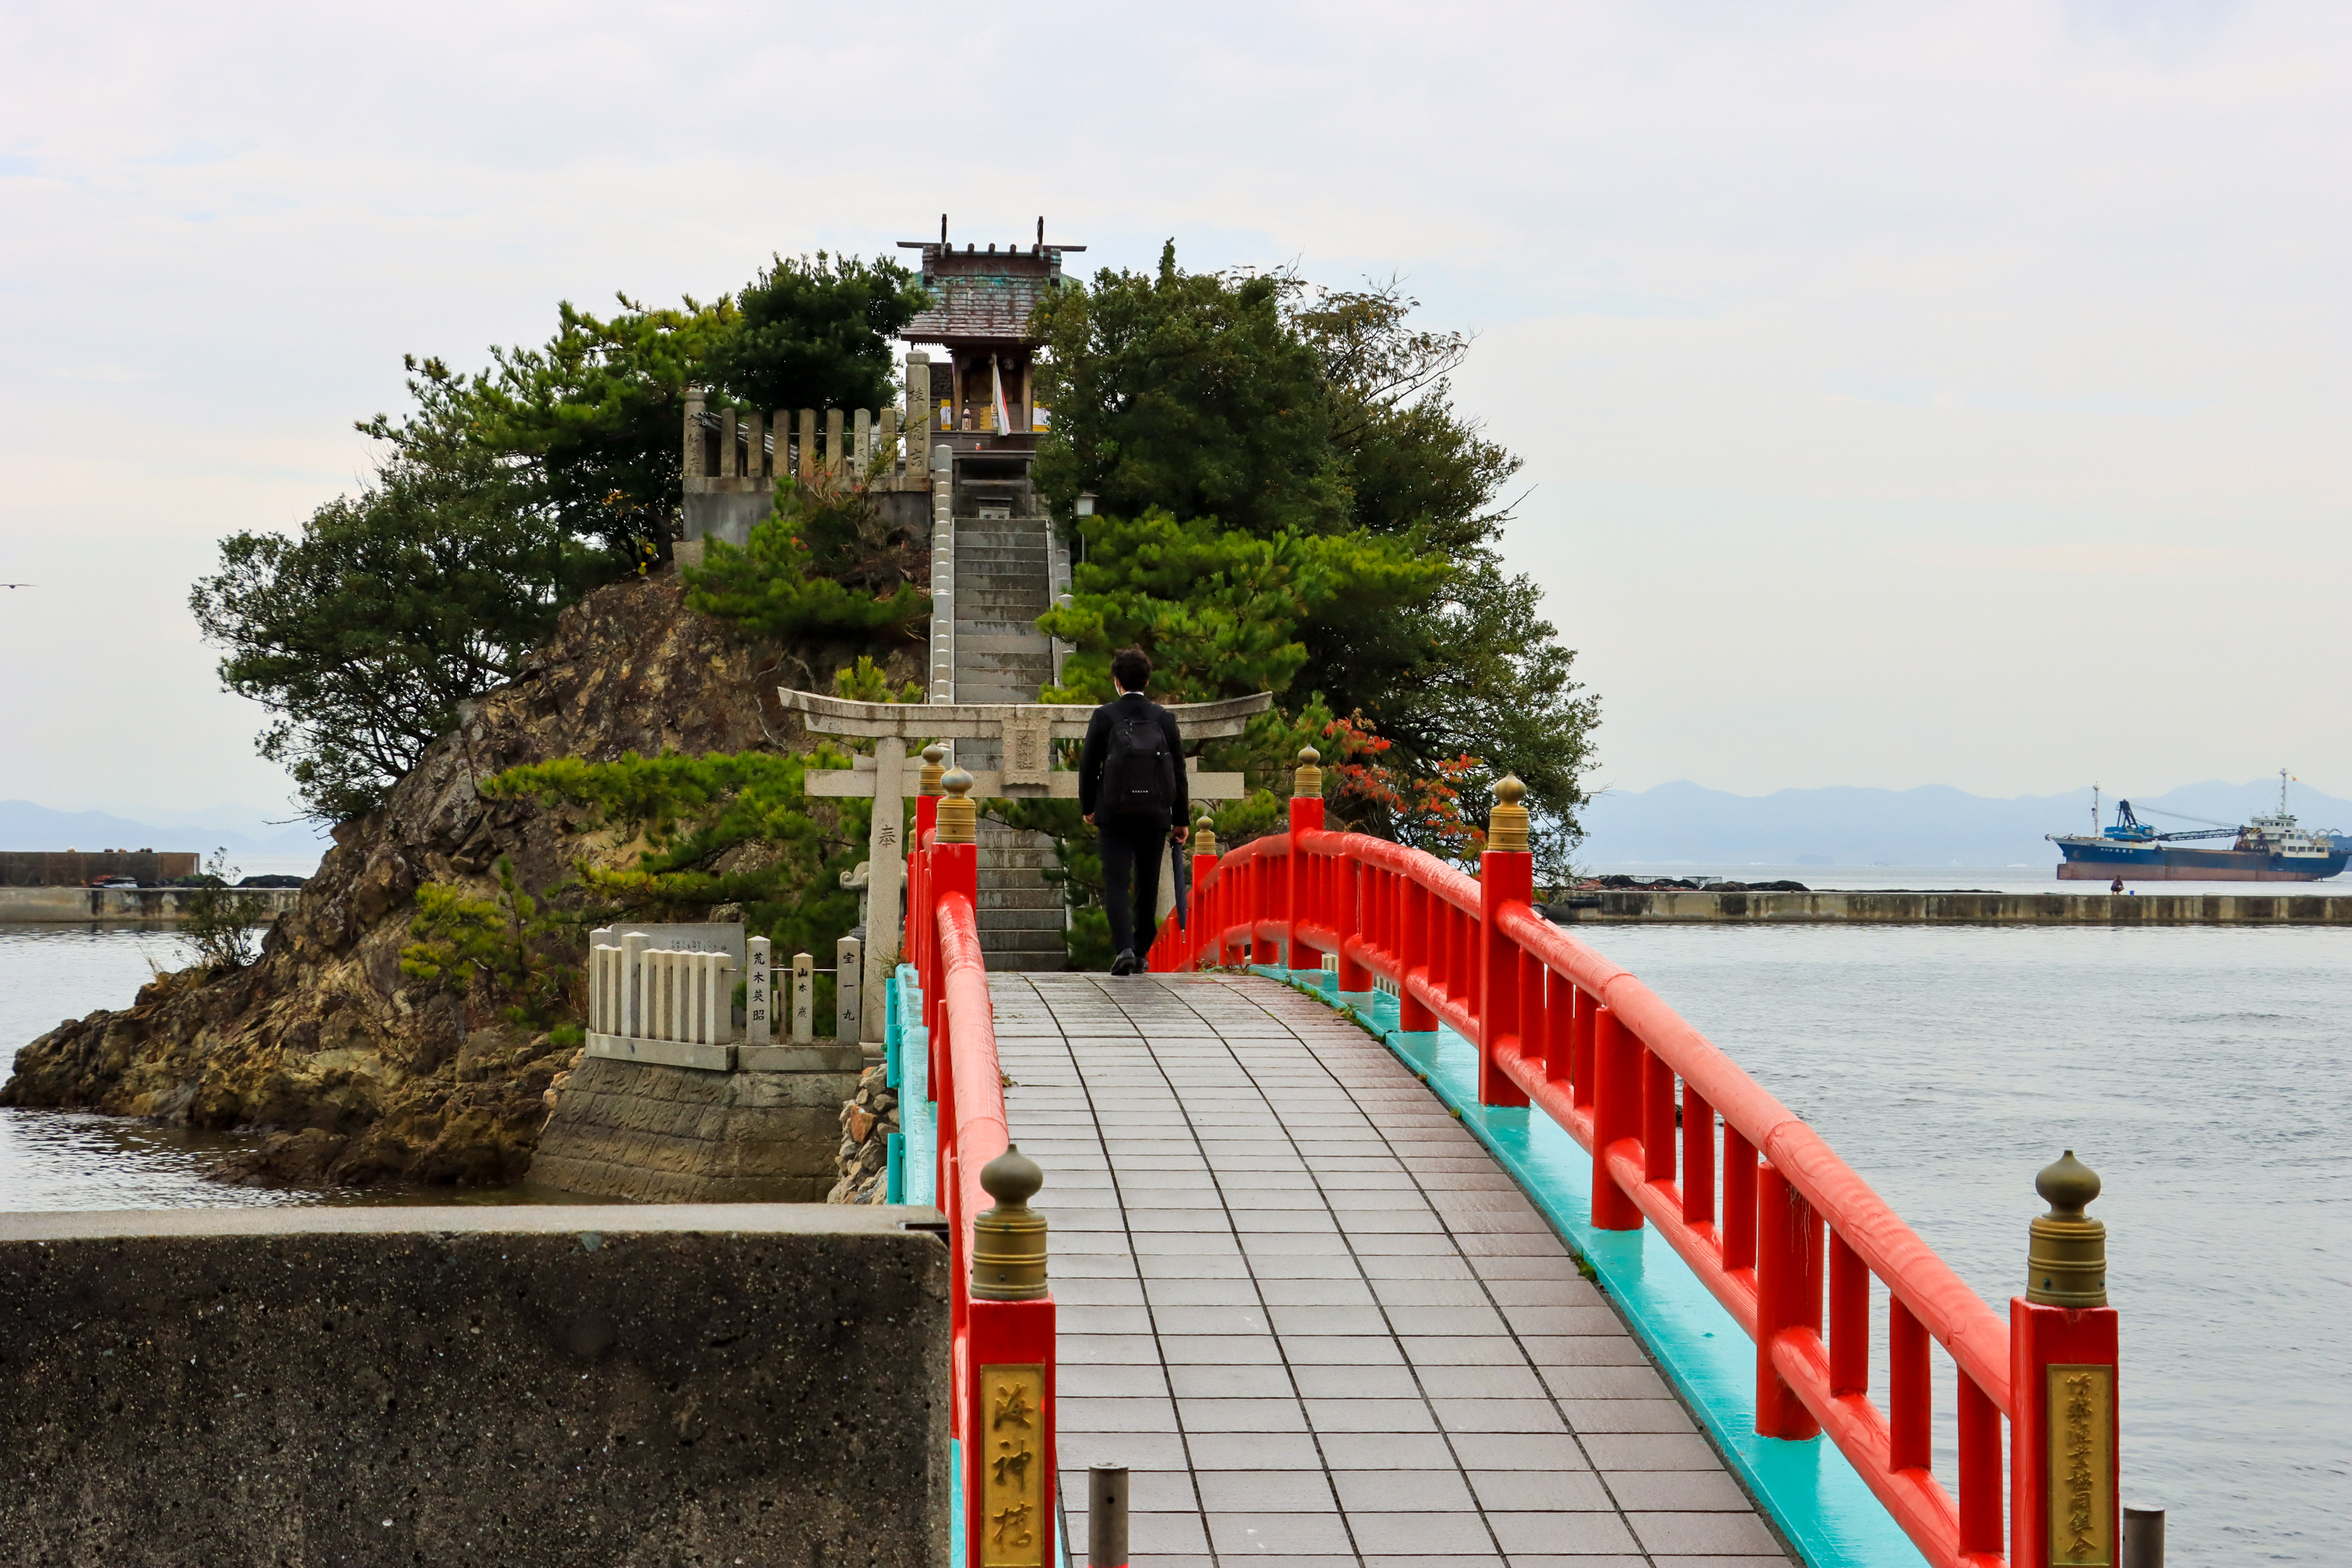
1313	1317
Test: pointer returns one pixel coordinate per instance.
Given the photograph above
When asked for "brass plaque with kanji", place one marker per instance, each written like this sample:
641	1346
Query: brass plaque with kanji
2082	1466
1011	1437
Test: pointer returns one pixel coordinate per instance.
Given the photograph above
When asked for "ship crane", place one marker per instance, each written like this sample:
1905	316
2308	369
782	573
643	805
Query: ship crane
2132	827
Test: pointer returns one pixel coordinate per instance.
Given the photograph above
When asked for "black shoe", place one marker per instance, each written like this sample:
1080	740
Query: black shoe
1125	963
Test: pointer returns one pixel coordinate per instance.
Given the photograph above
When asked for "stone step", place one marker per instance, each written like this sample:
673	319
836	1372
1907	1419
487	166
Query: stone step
1025	629
970	643
986	594
1016	556
1036	896
1027	962
1005	859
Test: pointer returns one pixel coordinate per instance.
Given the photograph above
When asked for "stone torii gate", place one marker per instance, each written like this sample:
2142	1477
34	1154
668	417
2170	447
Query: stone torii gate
1026	732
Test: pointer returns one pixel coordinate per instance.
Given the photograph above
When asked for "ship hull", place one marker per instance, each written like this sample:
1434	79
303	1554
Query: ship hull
2090	861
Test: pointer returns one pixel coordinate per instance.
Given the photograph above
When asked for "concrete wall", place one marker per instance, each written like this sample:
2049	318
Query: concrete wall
1672	905
673	1134
120	906
576	1385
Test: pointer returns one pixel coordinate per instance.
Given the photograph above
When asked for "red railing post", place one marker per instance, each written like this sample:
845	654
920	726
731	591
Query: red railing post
1298	870
1200	915
1616	1117
1008	1366
2063	1336
1788	1298
1506	876
1416	952
1264	888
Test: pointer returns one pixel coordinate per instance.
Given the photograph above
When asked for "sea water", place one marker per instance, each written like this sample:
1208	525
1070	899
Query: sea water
2202	1070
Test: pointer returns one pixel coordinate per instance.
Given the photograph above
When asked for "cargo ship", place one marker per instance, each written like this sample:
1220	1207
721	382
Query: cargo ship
2272	849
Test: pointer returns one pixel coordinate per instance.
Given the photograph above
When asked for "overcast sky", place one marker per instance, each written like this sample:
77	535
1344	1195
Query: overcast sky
1920	394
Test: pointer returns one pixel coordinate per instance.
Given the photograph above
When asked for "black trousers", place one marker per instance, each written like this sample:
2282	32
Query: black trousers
1131	845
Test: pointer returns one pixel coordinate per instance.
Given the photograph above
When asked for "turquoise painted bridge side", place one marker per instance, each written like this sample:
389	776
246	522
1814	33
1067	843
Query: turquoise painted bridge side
1818	1502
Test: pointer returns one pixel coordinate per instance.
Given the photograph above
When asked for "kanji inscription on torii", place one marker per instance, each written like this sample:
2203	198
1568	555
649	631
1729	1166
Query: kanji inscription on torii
1025	731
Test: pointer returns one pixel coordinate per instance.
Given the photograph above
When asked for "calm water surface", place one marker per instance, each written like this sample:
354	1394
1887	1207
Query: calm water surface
2203	1073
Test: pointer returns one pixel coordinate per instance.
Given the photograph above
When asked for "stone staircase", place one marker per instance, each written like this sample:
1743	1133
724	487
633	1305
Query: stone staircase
1001	586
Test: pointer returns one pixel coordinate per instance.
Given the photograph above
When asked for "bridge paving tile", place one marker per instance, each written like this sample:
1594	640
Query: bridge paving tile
1217	1415
1722	1534
1452	1531
1170	1267
1080	1384
1479	1383
1234	1293
1283	1293
1357	1415
1542	1492
1287	1534
1343	1349
1080	1317
1269	1382
1498	1416
1677	1491
1115	1350
1220	1349
1612	1416
1387	1451
1124	1290
1257	1451
1250	1319
1402	1490
1604	1382
1117	1415
1381	1265
1245	1491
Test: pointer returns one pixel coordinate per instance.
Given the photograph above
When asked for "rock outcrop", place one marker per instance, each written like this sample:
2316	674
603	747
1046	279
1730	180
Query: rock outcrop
369	1074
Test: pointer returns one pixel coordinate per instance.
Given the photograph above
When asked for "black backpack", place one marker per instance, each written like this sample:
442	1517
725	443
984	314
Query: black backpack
1139	768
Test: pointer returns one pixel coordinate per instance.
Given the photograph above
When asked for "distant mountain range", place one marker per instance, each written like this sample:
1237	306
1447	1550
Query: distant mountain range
24	825
1689	823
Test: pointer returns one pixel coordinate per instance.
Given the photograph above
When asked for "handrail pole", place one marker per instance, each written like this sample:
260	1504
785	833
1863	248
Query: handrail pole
1910	1391
1562	1003
1416	953
1788	1299
1657	1118
1581	1039
1981	1479
1698	1161
1616	1117
1738	1202
1849	1319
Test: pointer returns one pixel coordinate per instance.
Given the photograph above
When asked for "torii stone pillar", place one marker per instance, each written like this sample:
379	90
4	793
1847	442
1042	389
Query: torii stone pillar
1027	731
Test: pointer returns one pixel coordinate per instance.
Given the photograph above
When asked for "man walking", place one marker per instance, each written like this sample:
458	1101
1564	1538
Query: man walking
1131	788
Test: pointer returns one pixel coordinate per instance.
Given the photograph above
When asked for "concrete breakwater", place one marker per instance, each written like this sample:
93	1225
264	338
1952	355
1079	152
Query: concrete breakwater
120	906
1664	906
529	1385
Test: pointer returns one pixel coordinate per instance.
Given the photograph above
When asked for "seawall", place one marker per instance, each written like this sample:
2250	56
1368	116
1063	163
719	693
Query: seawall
120	906
1666	906
576	1385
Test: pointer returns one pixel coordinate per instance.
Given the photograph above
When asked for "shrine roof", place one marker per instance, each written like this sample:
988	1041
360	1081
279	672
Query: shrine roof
985	296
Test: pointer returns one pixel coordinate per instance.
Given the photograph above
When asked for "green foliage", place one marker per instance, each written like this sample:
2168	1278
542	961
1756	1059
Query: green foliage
1190	393
363	636
1220	611
1295	416
866	681
824	565
815	333
218	920
589	424
467	943
716	829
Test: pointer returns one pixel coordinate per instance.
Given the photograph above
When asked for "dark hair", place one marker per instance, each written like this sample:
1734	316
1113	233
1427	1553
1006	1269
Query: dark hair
1131	667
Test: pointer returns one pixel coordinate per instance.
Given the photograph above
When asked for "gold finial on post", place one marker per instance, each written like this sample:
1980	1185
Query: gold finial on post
1008	1242
1204	836
958	819
1507	824
933	755
2066	1254
1308	780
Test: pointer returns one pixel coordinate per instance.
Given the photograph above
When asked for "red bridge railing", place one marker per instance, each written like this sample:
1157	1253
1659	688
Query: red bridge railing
1765	1214
1001	1410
